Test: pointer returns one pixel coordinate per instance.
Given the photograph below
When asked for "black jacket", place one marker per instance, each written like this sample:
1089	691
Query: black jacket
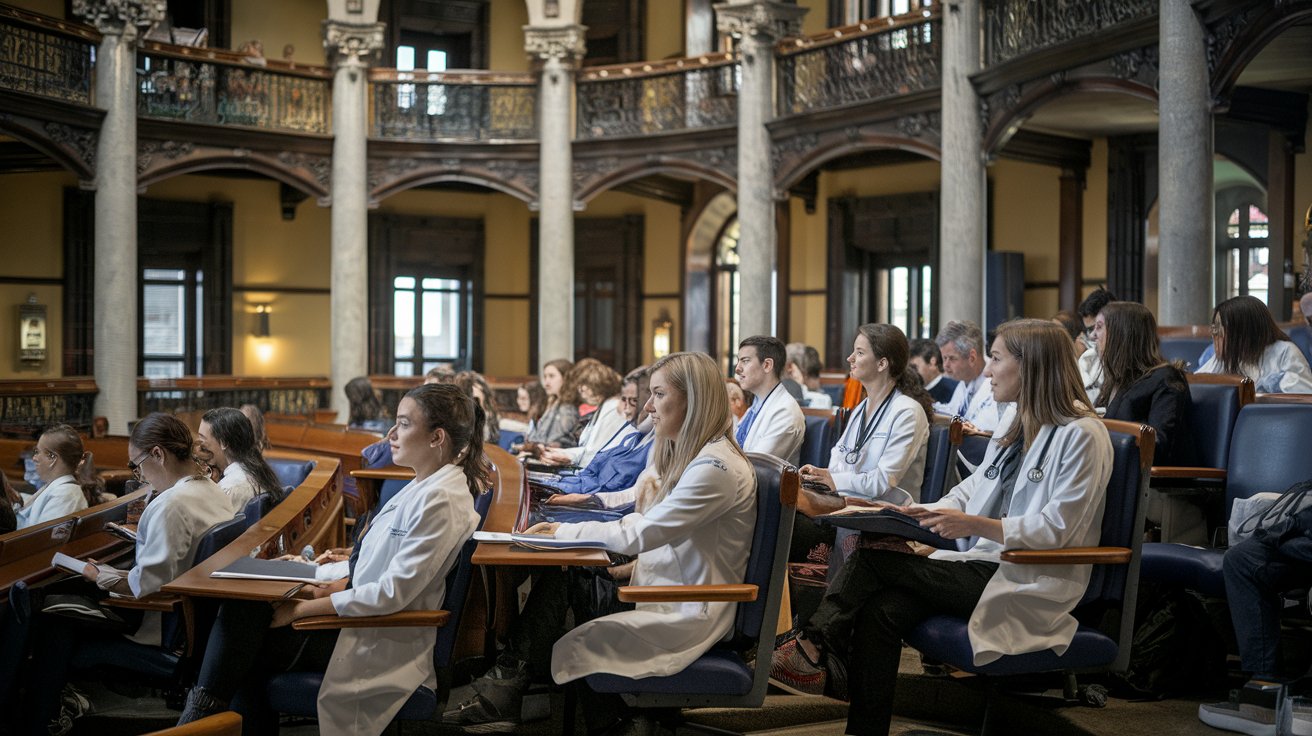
1161	400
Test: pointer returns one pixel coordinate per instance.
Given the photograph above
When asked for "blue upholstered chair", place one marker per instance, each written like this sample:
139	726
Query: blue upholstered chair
1268	452
818	438
509	439
1217	400
258	506
296	693
1187	349
158	664
945	436
1112	588
725	676
291	472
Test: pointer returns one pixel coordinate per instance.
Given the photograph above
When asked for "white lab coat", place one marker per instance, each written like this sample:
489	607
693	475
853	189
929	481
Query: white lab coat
237	486
894	455
700	534
1090	364
1283	369
1026	608
60	497
607	428
983	411
411	545
171	527
778	428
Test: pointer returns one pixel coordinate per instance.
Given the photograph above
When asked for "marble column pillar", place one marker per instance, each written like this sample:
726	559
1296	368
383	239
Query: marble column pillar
558	50
758	25
121	24
1185	236
961	219
350	47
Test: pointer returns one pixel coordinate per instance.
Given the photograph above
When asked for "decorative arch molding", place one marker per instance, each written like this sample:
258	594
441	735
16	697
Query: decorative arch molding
395	174
796	156
1236	39
73	147
161	160
593	176
1132	73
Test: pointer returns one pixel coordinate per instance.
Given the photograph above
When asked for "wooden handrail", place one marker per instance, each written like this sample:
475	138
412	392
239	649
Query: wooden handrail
616	72
868	27
453	76
46	23
49	386
233	58
234	383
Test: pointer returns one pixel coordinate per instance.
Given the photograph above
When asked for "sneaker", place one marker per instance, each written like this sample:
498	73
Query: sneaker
496	704
791	670
478	715
1252	710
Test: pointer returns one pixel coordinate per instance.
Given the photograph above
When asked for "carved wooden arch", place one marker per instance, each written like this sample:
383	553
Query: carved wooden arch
307	174
1046	90
71	147
648	167
516	187
1241	36
826	151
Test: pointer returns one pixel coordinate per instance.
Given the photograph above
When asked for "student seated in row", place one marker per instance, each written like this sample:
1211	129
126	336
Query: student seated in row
400	564
1248	342
226	442
68	472
594	384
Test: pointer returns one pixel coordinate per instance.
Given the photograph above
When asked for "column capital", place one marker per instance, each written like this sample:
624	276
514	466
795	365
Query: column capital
128	18
766	21
565	43
353	44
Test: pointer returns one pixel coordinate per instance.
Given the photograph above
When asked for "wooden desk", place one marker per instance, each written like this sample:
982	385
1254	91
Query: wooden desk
311	514
511	487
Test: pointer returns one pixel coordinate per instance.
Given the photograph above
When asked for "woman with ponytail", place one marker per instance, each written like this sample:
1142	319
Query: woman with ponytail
883	447
402	561
693	526
69	473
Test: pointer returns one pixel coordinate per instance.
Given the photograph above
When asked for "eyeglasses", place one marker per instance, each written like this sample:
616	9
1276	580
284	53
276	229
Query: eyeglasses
135	465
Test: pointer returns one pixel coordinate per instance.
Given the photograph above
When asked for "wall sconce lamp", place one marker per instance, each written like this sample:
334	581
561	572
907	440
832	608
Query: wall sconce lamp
662	329
261	326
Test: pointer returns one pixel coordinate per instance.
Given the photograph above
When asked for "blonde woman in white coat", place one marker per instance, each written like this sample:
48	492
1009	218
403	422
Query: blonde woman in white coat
69	474
404	555
693	525
1041	486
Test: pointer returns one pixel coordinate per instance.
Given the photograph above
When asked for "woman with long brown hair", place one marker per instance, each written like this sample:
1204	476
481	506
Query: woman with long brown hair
1249	343
69	472
1041	485
558	425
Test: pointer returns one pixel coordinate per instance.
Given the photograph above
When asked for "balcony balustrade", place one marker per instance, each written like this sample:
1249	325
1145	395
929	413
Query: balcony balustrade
44	57
465	106
658	97
1016	28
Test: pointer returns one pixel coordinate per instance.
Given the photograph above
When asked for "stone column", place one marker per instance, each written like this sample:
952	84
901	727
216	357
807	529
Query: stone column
961	219
350	47
558	49
758	25
1185	242
121	24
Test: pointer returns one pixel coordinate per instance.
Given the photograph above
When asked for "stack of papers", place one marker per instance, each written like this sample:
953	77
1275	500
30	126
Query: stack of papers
538	541
248	568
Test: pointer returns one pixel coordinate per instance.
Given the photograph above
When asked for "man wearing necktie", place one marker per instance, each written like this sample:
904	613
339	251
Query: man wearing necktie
774	424
962	346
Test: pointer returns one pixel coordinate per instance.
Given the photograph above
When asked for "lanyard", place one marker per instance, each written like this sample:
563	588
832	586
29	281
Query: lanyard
865	432
1036	472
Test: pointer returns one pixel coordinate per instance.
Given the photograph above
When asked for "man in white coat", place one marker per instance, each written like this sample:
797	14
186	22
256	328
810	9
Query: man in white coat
962	346
774	423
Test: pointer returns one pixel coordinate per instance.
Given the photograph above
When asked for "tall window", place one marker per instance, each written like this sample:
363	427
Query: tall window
172	326
434	60
430	322
1247	263
904	298
727	287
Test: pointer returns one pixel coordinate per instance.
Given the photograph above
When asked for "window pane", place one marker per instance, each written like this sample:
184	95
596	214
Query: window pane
405	58
164	331
1257	273
1257	222
163	274
404	282
1232	273
899	298
927	300
404	368
441	325
163	369
446	284
403	322
436	61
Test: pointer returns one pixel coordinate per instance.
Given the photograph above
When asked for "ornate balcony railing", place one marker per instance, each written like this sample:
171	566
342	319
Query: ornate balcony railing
859	63
453	106
29	406
658	97
301	396
222	88
1014	28
46	57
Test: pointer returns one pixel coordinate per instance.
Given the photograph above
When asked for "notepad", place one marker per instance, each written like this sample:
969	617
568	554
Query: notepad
122	531
886	521
248	568
543	543
68	563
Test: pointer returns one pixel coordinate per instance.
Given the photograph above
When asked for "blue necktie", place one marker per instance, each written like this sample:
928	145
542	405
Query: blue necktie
745	425
965	405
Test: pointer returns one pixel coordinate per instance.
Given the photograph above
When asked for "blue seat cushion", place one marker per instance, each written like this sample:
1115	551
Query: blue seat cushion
944	638
295	693
151	662
1184	566
717	672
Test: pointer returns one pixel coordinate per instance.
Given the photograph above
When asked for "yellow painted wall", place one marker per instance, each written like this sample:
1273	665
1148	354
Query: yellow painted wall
276	24
52	8
31	212
664	29
1026	208
11	296
506	27
817	19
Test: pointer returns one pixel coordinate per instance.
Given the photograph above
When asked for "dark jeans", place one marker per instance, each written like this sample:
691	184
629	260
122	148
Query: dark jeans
877	598
1255	575
243	652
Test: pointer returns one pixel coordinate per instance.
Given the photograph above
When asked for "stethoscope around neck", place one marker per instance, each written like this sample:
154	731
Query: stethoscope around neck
1036	473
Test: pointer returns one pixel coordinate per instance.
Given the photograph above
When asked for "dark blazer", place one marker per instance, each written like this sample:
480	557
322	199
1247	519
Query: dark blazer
1161	400
943	390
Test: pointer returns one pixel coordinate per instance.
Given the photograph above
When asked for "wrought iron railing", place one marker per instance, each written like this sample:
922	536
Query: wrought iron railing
658	97
301	396
222	88
29	406
453	106
859	63
1014	28
44	56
